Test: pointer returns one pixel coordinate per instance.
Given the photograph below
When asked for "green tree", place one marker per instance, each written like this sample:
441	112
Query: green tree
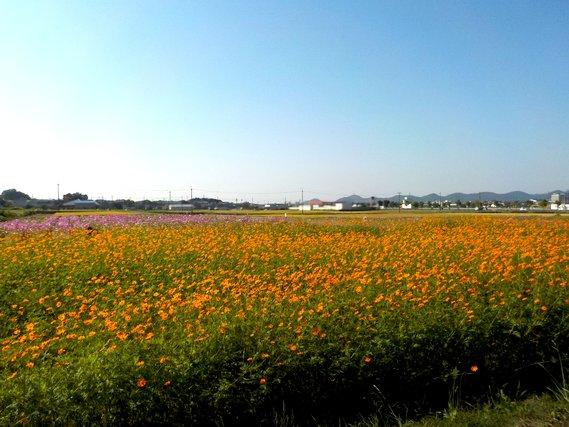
13	194
74	196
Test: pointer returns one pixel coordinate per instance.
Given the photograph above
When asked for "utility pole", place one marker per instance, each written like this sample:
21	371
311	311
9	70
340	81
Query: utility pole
399	200
440	201
191	193
58	192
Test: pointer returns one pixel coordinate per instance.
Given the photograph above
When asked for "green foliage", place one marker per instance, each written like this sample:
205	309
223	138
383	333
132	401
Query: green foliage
74	196
243	369
13	194
11	213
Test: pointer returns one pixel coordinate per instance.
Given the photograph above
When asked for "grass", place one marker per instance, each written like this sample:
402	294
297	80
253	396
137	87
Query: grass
548	409
9	213
332	319
12	213
535	411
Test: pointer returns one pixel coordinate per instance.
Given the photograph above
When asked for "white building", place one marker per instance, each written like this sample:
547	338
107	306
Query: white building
180	207
302	208
331	206
559	206
323	206
405	204
81	204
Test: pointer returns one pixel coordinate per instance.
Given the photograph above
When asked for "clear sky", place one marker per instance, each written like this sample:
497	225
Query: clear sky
261	99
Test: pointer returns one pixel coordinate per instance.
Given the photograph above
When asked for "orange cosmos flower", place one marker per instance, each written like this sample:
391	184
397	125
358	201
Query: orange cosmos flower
474	368
141	383
262	381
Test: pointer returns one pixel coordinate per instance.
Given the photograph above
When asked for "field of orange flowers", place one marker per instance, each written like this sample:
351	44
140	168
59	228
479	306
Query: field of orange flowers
240	322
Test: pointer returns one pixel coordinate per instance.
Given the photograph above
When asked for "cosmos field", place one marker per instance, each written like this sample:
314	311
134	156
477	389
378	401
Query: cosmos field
239	320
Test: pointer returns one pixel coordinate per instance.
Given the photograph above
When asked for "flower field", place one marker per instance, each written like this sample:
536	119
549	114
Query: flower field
161	320
71	222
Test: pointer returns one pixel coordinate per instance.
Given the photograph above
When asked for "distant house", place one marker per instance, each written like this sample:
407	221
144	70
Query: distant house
315	202
559	207
41	203
81	204
301	207
181	207
324	206
406	204
559	198
331	206
559	202
275	206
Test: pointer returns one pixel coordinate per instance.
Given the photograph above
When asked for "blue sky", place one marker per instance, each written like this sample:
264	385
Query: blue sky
261	99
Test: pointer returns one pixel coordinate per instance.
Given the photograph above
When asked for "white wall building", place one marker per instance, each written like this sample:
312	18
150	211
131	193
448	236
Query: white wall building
81	204
180	207
302	208
324	206
559	206
331	206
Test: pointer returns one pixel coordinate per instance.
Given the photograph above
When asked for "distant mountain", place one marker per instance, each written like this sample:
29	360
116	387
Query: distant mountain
485	196
354	198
